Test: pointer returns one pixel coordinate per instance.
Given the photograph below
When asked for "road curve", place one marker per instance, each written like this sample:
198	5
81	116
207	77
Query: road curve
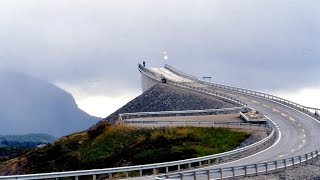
297	133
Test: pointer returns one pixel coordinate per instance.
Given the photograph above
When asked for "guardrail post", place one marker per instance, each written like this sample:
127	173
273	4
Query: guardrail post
221	173
317	154
276	164
194	175
233	172
154	171
245	171
300	160
189	165
256	168
292	159
266	164
77	178
110	176
181	176
208	174
306	159
200	164
285	163
178	167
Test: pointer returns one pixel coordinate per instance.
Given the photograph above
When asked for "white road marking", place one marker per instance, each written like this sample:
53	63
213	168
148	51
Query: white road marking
275	110
266	106
281	155
284	115
255	102
243	97
292	119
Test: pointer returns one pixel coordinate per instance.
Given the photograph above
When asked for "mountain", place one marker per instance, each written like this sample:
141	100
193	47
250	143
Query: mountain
28	140
30	105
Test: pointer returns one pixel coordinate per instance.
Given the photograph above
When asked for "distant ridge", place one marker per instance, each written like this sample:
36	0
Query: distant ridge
28	140
29	105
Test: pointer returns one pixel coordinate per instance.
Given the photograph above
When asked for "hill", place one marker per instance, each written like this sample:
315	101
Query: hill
115	146
29	140
30	105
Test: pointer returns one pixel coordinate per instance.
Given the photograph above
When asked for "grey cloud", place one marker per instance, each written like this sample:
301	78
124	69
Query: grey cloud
97	44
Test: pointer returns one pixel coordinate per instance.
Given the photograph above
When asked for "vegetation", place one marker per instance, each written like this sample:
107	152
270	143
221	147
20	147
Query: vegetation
7	152
29	140
111	146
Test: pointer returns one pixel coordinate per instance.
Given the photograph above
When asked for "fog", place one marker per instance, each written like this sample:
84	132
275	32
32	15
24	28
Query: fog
92	48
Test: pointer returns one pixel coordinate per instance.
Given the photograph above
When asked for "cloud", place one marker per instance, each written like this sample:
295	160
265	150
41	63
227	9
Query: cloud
96	45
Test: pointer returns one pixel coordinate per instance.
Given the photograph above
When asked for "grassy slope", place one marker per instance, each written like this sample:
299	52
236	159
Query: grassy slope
111	146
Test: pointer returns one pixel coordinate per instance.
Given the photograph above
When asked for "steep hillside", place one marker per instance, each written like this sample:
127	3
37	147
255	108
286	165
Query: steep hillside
114	146
167	98
29	105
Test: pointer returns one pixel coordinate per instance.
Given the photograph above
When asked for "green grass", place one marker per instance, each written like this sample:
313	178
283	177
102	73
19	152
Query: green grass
112	146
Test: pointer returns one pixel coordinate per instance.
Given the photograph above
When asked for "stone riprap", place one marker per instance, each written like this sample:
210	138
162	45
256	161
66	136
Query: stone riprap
167	98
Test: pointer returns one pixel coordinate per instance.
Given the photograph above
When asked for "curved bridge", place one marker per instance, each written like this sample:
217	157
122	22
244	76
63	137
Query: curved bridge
297	126
296	129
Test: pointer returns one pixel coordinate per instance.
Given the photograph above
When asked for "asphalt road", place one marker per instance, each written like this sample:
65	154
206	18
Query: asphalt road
297	133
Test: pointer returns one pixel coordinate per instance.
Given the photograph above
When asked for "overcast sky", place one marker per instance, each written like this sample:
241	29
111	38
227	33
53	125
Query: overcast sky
92	48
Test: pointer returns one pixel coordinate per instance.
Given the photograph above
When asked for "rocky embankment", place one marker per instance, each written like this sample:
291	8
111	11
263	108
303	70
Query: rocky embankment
167	98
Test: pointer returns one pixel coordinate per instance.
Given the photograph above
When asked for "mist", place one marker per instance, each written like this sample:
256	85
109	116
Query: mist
92	48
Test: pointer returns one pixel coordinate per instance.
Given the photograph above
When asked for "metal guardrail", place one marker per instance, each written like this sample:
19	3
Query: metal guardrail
109	172
245	170
175	123
314	111
305	109
124	116
180	73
